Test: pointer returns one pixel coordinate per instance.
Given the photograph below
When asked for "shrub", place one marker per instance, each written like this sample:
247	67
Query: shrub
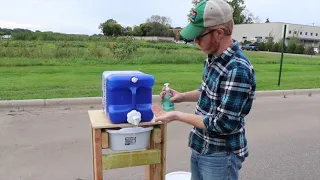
262	46
280	47
309	50
275	47
291	47
299	49
123	48
269	45
96	50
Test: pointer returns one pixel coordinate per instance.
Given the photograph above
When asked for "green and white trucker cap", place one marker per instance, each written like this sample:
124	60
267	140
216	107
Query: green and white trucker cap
207	13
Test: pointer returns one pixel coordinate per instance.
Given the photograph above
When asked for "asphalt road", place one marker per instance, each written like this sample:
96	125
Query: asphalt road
54	143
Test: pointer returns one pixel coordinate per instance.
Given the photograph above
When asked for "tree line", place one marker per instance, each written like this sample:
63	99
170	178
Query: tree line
160	25
293	45
155	25
28	35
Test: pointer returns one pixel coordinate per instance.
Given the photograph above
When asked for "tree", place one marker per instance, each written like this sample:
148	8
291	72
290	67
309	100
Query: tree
111	21
145	28
165	21
238	8
137	31
249	18
111	28
267	21
127	31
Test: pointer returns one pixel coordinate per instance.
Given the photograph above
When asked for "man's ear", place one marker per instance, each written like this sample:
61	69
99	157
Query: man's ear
220	33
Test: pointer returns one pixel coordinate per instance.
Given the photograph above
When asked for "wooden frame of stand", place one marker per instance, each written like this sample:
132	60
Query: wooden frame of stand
153	158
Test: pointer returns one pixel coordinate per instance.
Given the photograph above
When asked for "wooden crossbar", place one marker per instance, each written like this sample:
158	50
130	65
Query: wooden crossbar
131	159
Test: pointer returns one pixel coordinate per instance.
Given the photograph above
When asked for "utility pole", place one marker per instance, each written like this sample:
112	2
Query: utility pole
282	51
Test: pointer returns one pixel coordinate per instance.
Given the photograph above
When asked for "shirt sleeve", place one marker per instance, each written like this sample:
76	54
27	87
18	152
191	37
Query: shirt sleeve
235	92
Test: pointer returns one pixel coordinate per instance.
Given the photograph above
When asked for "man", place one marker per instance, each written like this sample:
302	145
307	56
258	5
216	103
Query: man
218	140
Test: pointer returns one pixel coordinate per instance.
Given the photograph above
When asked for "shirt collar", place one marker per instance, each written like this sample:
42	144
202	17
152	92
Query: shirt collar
226	54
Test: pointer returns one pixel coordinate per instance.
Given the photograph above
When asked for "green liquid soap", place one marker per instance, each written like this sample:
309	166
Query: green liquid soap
167	105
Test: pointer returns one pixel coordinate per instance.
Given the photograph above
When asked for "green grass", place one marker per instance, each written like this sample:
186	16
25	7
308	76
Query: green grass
38	77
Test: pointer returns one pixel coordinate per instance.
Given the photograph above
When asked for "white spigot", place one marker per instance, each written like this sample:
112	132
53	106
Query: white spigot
134	117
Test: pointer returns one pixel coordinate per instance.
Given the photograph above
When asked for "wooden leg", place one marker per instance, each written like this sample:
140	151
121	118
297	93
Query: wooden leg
158	171
92	151
163	151
97	154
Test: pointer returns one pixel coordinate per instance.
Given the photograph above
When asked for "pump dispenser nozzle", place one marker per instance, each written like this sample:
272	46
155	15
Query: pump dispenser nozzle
167	86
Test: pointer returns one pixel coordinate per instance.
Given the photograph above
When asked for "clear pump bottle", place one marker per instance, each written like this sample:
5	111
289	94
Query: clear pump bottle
167	105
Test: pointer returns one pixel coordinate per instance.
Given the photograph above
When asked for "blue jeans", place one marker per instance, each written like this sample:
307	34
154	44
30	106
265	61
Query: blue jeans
219	166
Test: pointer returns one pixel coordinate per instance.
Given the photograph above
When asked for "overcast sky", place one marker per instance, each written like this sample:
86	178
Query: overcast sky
84	16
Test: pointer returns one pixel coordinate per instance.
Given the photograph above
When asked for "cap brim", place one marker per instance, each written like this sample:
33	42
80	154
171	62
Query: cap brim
190	32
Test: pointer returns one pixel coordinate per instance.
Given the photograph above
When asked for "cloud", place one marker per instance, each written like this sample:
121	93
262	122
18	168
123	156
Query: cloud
12	25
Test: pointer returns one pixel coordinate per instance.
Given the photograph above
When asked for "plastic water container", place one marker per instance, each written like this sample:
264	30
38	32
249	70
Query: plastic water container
124	91
128	139
179	175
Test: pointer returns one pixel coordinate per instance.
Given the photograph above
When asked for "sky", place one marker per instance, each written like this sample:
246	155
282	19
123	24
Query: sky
84	16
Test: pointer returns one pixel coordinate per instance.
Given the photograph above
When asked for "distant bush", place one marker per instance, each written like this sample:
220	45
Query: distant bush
262	46
123	48
309	50
276	47
119	48
269	45
299	49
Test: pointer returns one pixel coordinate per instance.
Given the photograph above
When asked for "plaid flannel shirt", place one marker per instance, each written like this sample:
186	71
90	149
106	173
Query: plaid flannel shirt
226	96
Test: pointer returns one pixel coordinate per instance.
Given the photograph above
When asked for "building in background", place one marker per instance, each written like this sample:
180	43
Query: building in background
154	38
260	32
177	33
6	37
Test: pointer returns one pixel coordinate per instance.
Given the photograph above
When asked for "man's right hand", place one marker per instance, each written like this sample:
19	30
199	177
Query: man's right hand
177	97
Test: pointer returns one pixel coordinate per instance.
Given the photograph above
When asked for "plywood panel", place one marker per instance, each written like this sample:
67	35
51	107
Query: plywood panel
131	159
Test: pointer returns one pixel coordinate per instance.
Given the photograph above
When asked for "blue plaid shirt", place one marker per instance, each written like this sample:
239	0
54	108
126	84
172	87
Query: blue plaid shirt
226	96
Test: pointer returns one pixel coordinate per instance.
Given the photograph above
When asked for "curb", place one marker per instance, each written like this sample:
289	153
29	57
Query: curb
287	92
155	98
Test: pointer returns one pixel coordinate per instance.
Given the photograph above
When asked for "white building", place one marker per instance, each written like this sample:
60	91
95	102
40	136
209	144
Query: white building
5	37
309	35
154	38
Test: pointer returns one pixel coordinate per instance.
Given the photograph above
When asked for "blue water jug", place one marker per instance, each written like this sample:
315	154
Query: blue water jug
124	91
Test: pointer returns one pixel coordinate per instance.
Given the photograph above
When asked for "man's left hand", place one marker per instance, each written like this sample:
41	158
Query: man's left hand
168	116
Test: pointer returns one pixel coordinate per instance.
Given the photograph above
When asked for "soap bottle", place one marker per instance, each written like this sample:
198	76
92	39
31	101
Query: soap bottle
167	105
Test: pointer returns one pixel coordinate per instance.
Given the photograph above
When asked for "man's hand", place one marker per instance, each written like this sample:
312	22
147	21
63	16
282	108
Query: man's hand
177	96
168	116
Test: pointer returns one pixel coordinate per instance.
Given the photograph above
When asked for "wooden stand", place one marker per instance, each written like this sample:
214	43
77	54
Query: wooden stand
154	157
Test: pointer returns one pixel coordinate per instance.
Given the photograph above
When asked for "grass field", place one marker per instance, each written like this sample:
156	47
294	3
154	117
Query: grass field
34	76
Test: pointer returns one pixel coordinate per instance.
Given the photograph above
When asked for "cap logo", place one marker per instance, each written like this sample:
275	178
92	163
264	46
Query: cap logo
193	16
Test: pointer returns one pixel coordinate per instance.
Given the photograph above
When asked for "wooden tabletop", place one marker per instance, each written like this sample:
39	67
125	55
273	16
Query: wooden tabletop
99	120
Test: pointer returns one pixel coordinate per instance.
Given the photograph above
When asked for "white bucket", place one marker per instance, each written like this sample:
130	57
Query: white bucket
179	175
127	139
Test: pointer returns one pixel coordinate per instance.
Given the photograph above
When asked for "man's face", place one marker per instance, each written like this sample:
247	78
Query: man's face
209	40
